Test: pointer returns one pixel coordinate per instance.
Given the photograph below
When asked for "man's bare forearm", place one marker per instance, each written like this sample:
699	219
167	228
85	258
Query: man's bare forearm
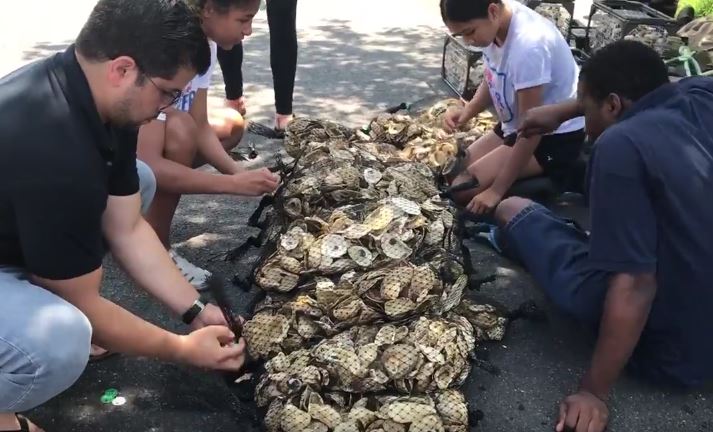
626	310
119	330
568	110
143	257
114	327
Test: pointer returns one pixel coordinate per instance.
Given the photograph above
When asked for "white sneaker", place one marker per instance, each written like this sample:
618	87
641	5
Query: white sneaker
195	275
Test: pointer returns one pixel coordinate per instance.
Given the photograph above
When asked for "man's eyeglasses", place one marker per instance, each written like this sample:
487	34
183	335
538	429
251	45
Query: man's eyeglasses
170	95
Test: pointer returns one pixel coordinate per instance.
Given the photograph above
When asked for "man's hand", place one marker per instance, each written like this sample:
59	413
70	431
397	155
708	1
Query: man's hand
212	315
255	182
583	412
238	105
212	348
454	119
484	202
540	120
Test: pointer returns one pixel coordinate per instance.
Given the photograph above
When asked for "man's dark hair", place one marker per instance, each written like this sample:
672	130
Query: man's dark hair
223	6
465	10
627	68
160	35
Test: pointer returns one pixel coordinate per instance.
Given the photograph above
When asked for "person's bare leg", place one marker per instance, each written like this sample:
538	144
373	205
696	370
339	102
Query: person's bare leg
9	422
481	147
180	146
228	124
486	169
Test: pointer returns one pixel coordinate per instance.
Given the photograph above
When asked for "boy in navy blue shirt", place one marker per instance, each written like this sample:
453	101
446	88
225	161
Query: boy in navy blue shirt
644	277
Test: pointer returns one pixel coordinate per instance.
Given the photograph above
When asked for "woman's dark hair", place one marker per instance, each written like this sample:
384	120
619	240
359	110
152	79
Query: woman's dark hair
160	35
223	6
626	68
465	10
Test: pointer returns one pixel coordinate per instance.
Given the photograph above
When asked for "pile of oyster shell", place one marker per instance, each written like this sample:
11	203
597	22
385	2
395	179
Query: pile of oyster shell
389	138
606	29
556	13
364	326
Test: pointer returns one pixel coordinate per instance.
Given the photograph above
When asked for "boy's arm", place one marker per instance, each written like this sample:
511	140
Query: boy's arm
172	176
209	146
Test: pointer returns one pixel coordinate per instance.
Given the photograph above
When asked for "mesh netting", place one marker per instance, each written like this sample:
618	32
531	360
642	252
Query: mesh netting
310	411
428	354
363	326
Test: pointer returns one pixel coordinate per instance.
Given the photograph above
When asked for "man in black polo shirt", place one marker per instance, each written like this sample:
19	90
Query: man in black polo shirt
643	280
69	191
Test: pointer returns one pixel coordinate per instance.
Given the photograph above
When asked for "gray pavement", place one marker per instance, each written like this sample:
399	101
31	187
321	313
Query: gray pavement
356	57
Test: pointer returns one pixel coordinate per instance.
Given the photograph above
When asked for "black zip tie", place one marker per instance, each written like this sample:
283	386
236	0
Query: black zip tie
253	152
217	289
237	253
485	365
475	416
396	108
460	187
528	311
475	282
459	164
254	218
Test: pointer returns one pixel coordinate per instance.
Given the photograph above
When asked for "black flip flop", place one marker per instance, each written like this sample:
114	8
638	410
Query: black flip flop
256	128
24	425
487	234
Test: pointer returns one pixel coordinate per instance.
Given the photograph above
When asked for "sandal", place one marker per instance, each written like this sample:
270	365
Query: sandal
96	358
24	424
487	234
256	128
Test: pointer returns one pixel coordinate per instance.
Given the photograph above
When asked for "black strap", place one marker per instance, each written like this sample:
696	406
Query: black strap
192	313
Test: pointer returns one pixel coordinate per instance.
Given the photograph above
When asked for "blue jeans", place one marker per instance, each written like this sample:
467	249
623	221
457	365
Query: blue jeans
44	340
555	253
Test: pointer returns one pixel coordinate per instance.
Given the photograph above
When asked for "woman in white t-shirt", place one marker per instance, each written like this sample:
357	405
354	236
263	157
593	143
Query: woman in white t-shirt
527	63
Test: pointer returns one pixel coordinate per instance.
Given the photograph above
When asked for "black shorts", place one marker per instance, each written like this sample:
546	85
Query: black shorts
556	153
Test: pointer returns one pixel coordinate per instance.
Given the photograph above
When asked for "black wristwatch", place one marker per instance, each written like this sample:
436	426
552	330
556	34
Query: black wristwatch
190	315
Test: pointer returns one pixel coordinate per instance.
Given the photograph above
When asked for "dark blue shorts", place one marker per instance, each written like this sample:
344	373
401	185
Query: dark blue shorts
554	251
